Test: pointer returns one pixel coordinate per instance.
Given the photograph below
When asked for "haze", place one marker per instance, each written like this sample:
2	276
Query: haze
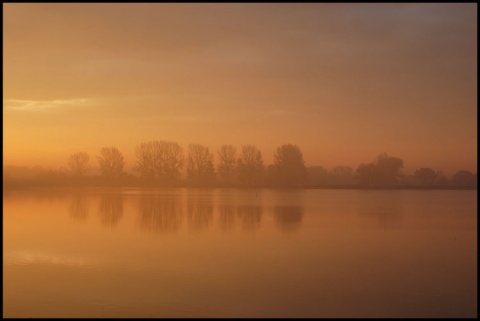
344	82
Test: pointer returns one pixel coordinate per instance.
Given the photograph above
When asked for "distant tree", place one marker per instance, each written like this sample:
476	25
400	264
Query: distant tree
426	176
388	169
111	162
318	176
342	175
441	179
78	163
464	178
148	160
366	174
289	165
200	169
250	167
384	171
159	161
172	162
227	163
269	175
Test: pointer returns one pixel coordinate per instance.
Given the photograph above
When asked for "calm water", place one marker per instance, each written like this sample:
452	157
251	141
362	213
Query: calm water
239	253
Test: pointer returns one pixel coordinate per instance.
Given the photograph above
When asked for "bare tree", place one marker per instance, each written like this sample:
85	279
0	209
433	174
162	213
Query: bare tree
159	160
172	162
250	167
200	165
111	162
78	163
146	160
227	163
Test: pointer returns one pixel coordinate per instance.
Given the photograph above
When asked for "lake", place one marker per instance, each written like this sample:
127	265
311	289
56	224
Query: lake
239	253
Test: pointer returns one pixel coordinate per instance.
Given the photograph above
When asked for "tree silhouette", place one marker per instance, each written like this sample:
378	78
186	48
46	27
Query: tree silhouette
200	165
250	165
159	161
317	175
388	169
427	176
464	178
148	160
365	174
78	163
384	171
172	162
111	162
441	179
341	175
289	165
227	163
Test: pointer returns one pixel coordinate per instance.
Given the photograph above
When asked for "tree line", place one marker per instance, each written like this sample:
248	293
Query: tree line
166	163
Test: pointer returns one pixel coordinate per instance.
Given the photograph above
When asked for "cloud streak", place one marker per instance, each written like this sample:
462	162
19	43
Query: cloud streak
43	105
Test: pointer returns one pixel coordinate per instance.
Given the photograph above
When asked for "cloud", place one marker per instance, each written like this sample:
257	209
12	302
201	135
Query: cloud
43	105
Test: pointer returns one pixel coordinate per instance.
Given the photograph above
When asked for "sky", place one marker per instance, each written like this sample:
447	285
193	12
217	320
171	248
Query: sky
344	82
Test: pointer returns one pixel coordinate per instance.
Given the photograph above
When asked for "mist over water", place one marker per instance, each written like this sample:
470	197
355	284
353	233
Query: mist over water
96	252
240	160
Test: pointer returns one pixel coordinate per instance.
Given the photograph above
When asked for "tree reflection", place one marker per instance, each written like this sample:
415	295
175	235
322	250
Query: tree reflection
110	209
288	217
250	216
226	216
200	212
160	213
78	208
386	210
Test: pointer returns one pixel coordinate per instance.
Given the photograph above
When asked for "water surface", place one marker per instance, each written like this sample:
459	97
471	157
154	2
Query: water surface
239	253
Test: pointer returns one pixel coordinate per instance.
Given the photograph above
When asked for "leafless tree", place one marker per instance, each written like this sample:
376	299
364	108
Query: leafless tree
172	162
200	169
111	162
159	160
250	167
227	163
78	163
146	162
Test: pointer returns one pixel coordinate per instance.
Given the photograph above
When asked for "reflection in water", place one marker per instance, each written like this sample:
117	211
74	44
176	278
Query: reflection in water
110	209
250	216
78	208
160	213
428	268
226	216
288	217
24	257
200	212
387	210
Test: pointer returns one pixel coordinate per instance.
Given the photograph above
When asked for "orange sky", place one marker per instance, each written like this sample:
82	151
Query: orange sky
344	82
